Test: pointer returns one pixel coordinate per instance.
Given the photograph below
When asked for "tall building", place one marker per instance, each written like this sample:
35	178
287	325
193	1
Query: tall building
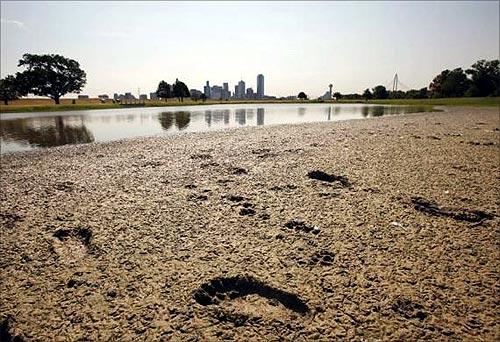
225	91
216	92
206	90
250	94
241	90
235	95
260	86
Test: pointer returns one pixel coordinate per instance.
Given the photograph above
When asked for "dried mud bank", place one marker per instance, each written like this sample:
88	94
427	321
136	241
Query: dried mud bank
383	228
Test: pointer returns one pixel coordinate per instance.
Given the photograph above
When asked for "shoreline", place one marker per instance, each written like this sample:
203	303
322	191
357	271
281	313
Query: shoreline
486	102
230	234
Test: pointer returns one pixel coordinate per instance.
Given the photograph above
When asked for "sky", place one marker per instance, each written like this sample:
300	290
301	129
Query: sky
297	46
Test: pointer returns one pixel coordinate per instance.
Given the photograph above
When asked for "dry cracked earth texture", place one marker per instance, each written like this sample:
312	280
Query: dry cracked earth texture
376	229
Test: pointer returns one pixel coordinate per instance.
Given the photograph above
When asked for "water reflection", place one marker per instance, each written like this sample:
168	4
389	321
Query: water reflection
260	116
180	119
51	132
26	131
240	116
166	120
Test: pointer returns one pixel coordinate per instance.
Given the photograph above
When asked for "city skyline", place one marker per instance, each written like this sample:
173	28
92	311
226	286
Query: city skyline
300	46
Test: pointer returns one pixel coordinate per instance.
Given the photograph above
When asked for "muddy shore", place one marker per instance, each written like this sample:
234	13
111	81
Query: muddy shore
384	228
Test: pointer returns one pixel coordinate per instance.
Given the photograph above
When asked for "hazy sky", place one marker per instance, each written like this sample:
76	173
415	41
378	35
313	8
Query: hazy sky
296	45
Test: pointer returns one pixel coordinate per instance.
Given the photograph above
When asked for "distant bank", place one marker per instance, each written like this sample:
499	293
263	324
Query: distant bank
46	105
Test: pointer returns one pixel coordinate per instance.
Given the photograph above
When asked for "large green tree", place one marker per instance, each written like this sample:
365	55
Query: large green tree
50	75
180	90
10	89
367	94
302	96
485	78
380	92
163	91
448	83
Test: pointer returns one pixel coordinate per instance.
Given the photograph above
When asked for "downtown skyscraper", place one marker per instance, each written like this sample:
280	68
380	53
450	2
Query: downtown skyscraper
260	86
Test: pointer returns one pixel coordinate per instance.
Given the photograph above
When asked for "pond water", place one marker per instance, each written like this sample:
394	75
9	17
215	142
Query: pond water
27	131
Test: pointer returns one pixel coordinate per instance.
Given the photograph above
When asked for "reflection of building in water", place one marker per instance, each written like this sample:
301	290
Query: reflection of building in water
226	113
365	111
217	116
260	116
301	111
329	112
48	133
208	117
240	117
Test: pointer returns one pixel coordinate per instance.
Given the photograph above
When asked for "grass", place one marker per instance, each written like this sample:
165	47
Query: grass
46	105
460	101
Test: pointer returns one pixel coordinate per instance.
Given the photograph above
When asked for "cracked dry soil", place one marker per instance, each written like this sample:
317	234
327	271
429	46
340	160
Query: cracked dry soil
367	234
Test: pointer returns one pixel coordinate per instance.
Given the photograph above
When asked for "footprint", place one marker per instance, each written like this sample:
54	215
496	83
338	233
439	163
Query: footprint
73	244
325	177
9	220
7	333
238	171
324	258
431	208
408	309
66	186
283	187
301	226
229	288
201	156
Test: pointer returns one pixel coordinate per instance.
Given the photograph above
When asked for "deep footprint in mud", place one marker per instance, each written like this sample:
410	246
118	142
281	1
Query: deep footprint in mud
408	309
325	177
9	220
302	226
72	244
431	208
6	331
323	257
230	288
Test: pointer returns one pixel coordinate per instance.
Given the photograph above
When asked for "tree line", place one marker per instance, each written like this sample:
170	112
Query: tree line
482	79
178	89
55	76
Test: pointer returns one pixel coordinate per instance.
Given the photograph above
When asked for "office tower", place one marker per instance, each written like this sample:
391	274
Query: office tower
225	91
260	86
250	94
206	90
241	89
216	92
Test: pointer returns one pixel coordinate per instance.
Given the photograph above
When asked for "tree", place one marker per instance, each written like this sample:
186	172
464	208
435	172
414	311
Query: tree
485	78
50	75
448	83
337	95
380	93
163	91
367	94
10	89
180	90
302	96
